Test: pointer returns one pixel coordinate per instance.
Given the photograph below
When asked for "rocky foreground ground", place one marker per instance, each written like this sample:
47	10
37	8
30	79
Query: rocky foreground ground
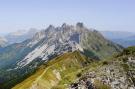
118	73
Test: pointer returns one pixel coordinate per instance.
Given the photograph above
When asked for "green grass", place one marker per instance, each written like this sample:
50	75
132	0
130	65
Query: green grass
67	65
100	85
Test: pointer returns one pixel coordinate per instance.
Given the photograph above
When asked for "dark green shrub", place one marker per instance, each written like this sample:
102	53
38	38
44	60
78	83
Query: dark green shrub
105	63
79	75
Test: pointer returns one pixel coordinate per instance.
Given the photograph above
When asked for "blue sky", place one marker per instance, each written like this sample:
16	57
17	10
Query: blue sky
118	15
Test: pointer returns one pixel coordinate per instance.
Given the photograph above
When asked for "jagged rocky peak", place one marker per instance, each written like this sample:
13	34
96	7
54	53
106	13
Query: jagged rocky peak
79	28
51	27
65	31
39	35
43	33
80	24
64	25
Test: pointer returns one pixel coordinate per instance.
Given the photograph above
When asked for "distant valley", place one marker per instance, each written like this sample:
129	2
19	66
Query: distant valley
125	39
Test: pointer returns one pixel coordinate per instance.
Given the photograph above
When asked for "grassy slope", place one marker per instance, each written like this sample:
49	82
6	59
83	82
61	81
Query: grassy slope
64	67
61	72
98	45
117	65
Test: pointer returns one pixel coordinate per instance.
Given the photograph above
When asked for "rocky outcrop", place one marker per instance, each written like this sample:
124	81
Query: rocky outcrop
118	73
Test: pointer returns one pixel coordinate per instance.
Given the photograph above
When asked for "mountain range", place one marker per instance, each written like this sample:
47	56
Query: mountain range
17	37
125	39
3	41
57	40
76	44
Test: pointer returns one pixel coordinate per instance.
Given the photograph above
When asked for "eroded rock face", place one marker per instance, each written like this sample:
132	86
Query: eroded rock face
115	75
84	83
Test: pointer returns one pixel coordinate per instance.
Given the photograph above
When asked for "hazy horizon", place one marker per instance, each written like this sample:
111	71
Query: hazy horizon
105	15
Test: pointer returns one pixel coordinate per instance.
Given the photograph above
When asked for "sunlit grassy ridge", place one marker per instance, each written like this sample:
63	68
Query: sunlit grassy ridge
64	67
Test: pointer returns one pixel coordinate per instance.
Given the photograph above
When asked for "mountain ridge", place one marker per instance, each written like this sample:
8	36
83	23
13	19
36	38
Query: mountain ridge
113	73
73	59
